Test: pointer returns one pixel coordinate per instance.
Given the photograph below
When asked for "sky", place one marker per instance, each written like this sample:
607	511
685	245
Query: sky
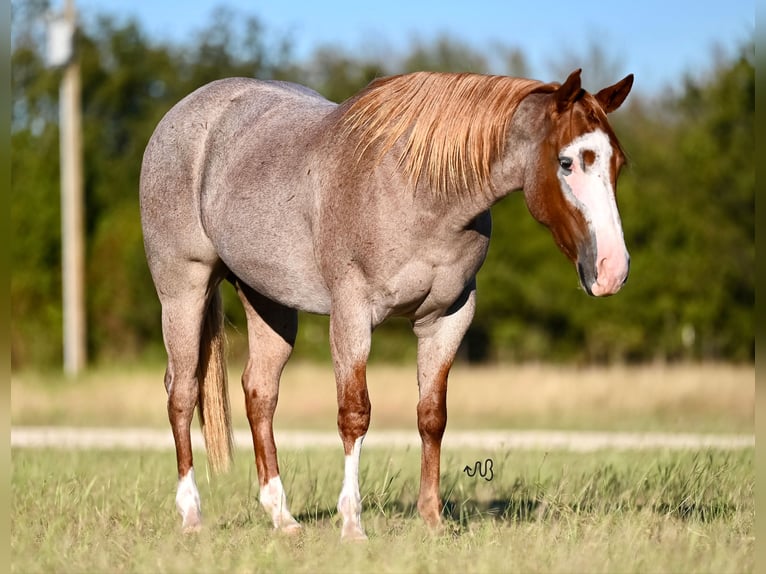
657	40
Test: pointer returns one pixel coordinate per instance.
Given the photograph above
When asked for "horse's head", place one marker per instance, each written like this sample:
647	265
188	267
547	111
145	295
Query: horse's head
571	189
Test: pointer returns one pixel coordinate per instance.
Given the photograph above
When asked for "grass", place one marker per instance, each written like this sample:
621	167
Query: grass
601	512
543	512
689	398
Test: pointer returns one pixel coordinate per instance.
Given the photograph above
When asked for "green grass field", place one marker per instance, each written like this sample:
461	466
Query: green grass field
558	512
606	511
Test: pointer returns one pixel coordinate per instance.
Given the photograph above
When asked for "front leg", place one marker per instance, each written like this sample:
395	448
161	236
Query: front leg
350	333
438	342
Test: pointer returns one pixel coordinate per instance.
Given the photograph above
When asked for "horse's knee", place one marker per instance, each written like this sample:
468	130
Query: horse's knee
260	404
432	418
354	416
182	397
261	393
355	419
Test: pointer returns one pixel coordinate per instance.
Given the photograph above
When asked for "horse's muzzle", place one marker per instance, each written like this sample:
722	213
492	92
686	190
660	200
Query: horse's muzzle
608	278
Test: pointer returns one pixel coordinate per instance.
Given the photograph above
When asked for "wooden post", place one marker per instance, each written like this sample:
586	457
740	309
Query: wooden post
73	248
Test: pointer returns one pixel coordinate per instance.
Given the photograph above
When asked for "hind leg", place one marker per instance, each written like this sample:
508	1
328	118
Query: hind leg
271	330
183	310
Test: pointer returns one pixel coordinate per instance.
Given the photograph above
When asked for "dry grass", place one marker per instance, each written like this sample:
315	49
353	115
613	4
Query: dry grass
703	398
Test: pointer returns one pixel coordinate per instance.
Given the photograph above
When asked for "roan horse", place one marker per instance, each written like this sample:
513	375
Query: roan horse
372	208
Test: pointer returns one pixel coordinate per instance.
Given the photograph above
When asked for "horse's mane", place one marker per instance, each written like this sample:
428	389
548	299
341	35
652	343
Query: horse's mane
454	125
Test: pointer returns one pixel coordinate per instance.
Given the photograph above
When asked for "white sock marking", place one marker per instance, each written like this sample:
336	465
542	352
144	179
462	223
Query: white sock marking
187	498
274	501
350	501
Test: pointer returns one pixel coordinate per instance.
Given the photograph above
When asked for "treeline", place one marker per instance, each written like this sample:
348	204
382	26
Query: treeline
687	202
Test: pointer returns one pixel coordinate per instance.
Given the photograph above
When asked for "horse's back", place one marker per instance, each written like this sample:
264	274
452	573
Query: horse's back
223	179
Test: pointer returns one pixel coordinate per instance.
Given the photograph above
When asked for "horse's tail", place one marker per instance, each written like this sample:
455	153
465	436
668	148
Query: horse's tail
213	406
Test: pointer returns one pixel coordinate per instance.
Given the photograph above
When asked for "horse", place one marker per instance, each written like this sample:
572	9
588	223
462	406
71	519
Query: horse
375	207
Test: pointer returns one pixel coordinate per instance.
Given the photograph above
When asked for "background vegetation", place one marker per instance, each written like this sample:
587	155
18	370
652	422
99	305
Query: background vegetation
648	398
687	202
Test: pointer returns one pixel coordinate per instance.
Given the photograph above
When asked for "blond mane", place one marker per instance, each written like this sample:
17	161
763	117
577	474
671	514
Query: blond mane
454	125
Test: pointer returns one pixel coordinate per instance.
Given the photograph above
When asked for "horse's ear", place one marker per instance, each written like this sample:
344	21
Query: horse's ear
612	97
569	92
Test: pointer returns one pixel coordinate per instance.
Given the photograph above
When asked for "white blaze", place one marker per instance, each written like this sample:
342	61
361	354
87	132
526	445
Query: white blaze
589	188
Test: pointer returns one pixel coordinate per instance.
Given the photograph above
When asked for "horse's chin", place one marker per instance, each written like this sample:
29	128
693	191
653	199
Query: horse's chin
601	285
598	290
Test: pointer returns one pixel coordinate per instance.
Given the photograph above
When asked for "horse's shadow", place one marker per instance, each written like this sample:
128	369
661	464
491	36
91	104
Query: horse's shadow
456	514
459	514
501	509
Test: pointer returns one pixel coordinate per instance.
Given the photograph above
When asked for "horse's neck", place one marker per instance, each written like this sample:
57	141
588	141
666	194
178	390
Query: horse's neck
520	155
460	206
507	176
522	148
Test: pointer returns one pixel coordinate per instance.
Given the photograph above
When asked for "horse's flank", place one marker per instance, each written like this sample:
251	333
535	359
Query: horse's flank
455	125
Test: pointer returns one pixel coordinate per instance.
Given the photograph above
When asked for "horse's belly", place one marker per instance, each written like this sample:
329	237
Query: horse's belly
275	257
264	235
421	289
292	284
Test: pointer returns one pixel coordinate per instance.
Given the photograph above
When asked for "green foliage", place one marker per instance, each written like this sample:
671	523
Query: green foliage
687	201
444	55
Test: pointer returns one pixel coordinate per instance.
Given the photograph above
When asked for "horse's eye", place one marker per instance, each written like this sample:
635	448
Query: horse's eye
565	163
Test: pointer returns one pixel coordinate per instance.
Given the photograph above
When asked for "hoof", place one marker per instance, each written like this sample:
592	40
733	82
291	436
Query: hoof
353	534
437	528
430	512
191	528
192	523
293	529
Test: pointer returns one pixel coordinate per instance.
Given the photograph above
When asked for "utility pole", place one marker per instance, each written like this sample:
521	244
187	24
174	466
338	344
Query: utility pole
62	52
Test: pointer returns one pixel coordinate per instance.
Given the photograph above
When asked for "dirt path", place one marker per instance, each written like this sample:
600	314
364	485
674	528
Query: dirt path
146	439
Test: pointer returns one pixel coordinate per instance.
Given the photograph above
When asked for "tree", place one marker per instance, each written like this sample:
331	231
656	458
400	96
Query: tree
687	201
443	55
